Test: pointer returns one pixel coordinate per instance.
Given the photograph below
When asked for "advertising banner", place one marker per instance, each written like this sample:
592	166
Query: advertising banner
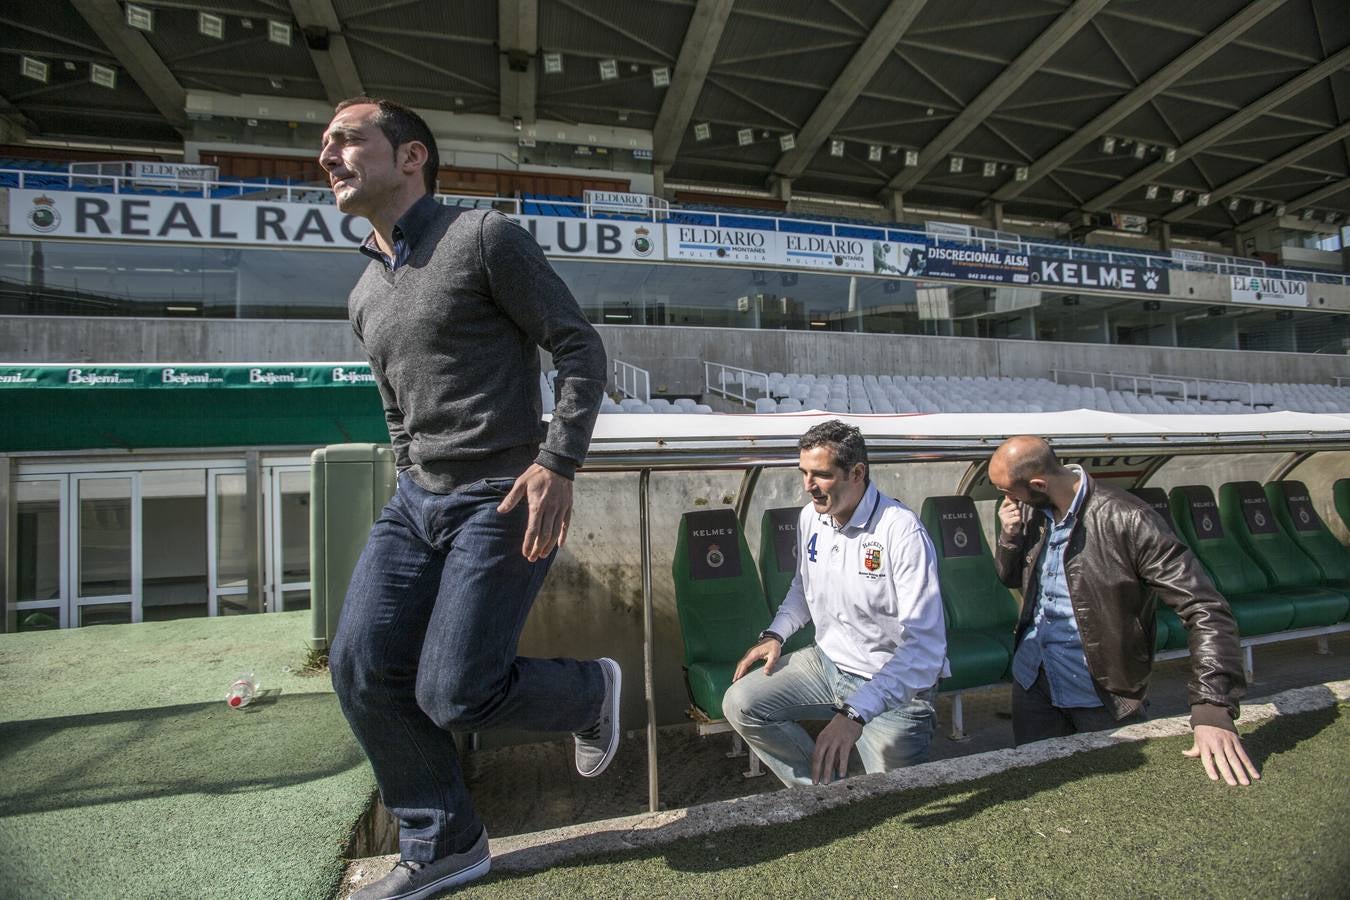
38	214
947	261
1272	291
617	200
1095	276
564	237
182	376
705	243
815	251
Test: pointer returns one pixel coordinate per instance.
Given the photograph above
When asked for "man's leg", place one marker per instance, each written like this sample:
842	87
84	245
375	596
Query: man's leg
374	663
899	737
1034	717
470	677
765	711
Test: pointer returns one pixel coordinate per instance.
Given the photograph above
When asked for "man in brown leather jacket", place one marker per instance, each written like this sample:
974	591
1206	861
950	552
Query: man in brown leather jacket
1089	559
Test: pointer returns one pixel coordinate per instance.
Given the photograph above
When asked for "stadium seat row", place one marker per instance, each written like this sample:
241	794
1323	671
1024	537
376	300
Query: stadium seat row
1267	550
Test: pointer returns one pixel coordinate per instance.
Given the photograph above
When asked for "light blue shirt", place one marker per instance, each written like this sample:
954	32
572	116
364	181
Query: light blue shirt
1052	641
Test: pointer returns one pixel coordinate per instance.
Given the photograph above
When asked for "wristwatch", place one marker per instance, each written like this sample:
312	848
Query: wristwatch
766	633
849	713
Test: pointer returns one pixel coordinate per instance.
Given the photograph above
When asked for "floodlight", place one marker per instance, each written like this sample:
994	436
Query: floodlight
874	152
1202	200
279	32
1139	150
989	169
140	17
661	76
1307	215
702	131
1021	173
211	25
1151	192
1257	206
836	147
1108	145
745	136
103	76
956	165
609	69
1178	195
911	158
35	69
1280	210
553	64
1234	204
1169	155
787	142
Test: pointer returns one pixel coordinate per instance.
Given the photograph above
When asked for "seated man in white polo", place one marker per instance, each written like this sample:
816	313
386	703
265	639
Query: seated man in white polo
867	579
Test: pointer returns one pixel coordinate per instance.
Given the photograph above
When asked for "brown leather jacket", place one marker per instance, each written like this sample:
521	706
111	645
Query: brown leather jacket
1120	558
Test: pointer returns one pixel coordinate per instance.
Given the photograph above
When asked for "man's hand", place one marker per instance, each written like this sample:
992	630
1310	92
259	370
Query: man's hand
833	746
549	496
768	650
1010	518
1222	753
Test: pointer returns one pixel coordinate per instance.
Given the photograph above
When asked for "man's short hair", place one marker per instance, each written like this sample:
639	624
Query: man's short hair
844	441
401	125
1040	460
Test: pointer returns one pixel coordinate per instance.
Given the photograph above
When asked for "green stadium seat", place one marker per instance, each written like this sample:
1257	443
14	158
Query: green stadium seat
778	563
981	612
1298	516
1170	634
1248	516
1340	496
719	601
1237	576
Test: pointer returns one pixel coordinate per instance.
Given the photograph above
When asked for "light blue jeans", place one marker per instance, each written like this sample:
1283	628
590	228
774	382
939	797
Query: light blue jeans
766	711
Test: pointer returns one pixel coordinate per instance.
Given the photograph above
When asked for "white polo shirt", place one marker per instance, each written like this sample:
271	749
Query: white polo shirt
871	590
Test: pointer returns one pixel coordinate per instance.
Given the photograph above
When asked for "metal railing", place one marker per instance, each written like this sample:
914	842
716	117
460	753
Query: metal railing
632	381
662	212
1186	386
736	387
1110	380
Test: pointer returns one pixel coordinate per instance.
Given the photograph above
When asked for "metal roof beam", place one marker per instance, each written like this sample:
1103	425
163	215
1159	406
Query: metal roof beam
1242	182
839	99
1027	63
1151	87
518	46
328	48
1219	131
135	54
1306	200
686	83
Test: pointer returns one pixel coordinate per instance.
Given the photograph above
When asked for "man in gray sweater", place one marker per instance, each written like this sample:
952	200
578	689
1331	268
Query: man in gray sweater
451	311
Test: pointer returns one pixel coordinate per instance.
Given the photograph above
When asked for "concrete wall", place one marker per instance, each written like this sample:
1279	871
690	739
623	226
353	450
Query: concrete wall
673	355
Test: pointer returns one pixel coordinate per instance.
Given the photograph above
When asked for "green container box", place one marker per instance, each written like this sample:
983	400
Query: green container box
348	486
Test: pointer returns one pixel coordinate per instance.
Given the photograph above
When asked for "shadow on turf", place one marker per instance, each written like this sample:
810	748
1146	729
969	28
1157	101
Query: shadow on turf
197	748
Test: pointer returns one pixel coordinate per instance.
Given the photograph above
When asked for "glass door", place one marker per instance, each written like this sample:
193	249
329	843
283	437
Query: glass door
42	582
288	538
227	543
105	562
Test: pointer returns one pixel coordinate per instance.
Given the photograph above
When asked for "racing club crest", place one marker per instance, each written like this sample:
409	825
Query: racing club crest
43	216
871	557
715	557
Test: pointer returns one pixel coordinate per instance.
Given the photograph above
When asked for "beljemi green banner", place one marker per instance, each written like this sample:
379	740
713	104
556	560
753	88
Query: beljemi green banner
177	377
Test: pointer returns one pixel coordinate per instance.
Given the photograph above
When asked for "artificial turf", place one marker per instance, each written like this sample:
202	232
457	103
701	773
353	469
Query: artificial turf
124	774
1135	820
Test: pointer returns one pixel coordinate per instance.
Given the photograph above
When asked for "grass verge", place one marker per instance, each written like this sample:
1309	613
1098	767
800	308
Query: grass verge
1136	820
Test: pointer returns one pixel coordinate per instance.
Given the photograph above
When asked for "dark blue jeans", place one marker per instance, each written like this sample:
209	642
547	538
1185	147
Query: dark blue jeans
427	644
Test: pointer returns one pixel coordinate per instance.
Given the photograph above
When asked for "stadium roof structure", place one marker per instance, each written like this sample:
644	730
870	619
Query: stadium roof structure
1053	108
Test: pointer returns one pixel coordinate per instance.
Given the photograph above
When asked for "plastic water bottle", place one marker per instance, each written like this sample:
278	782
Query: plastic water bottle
242	692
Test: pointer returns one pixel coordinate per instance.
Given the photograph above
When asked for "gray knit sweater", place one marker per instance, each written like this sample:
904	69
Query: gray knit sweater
452	337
